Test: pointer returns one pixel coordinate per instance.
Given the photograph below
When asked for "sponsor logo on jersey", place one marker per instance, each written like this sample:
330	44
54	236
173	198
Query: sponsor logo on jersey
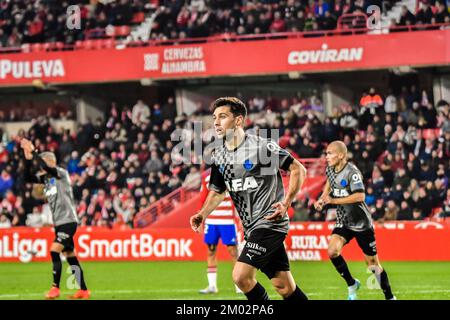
356	178
242	185
340	193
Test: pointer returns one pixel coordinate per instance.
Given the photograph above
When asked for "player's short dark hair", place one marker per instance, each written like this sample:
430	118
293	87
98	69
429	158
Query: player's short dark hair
237	107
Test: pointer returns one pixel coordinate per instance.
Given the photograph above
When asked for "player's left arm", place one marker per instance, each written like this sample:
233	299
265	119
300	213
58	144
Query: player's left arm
296	179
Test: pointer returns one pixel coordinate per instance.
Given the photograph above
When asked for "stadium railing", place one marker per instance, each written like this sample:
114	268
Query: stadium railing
110	41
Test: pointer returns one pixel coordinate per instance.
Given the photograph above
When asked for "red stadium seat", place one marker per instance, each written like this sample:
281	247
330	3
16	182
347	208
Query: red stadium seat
109	43
59	45
48	46
36	47
88	44
79	44
122	31
431	133
26	47
104	44
138	17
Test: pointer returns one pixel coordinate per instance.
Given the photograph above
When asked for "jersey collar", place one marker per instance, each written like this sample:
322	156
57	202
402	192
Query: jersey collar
341	169
242	142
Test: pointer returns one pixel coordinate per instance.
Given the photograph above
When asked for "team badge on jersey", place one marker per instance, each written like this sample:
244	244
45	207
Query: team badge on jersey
248	165
221	168
344	183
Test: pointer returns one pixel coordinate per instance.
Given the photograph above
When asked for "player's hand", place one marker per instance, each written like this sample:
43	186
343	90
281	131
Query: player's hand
319	205
28	148
26	145
327	200
280	211
196	222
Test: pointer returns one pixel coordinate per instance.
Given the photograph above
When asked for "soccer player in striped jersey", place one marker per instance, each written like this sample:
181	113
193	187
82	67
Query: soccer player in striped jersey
58	192
345	189
220	224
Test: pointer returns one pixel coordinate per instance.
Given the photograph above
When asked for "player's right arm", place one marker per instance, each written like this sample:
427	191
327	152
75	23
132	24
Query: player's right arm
31	155
212	202
215	197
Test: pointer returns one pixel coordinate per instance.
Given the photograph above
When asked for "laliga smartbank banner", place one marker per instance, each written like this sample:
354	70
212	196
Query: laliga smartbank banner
408	241
31	244
222	58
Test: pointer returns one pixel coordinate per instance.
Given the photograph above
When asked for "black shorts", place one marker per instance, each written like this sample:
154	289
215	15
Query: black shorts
265	250
365	239
64	235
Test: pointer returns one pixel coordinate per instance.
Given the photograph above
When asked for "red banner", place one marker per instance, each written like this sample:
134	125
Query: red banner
421	48
413	241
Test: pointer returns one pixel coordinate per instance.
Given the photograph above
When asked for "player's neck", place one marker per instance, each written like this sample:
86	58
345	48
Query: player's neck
235	141
340	166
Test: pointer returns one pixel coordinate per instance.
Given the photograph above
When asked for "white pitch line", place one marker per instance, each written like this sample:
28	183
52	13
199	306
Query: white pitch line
32	294
371	292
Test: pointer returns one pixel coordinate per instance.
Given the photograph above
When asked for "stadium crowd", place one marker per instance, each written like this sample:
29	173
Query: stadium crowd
124	163
38	21
179	19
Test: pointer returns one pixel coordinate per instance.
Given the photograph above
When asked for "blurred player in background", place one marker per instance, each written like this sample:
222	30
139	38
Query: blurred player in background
220	224
248	167
345	189
58	192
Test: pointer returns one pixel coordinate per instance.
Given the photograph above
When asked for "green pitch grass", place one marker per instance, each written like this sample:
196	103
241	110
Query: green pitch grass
182	280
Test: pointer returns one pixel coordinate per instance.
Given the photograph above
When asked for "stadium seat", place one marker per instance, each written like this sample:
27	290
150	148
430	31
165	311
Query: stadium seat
108	43
431	133
122	31
79	44
36	47
26	48
88	44
48	46
138	18
59	45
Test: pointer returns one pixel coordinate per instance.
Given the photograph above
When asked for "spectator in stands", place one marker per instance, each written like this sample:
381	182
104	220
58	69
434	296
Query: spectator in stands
370	104
406	17
6	182
391	212
405	212
348	121
193	180
278	24
446	206
140	113
424	13
390	106
442	12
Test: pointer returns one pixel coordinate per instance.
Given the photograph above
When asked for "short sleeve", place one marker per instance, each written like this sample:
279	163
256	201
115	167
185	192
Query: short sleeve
284	158
216	182
356	182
